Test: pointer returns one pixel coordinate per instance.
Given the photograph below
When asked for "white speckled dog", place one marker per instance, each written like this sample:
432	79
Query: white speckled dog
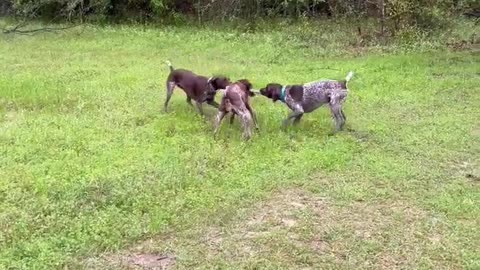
308	97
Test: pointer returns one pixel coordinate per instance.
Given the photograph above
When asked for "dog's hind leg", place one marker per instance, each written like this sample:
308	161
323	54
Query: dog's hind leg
246	120
336	109
170	86
343	115
254	116
218	121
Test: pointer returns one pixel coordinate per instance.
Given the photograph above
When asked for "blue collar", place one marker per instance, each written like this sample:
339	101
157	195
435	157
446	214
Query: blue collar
283	94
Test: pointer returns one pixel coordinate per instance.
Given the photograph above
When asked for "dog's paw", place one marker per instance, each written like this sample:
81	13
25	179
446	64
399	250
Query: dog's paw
246	138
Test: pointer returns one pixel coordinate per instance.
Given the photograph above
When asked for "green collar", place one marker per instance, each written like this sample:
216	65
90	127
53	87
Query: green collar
283	94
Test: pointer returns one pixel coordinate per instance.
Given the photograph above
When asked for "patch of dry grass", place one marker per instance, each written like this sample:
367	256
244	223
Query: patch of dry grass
296	229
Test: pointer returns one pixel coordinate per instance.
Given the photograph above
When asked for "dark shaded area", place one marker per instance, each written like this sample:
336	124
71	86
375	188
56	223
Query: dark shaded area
208	9
5	7
392	15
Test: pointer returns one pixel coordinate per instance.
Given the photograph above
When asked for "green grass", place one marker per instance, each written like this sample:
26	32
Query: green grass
90	164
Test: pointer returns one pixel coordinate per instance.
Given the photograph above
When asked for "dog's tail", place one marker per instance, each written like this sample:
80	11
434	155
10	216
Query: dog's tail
225	101
169	64
349	76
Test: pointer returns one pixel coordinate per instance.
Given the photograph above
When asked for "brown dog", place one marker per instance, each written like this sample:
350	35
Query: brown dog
199	88
236	100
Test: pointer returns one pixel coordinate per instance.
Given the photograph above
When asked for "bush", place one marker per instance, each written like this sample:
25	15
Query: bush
423	14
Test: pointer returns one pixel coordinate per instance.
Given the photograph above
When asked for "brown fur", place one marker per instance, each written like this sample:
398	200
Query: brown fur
196	87
236	100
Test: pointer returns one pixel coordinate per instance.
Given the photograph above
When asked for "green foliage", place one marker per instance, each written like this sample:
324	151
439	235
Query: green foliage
424	14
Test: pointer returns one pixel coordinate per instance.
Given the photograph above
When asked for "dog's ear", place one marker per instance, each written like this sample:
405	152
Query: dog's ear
273	91
296	92
248	86
219	82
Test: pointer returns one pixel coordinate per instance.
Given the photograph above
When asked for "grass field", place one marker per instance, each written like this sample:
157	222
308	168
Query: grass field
92	170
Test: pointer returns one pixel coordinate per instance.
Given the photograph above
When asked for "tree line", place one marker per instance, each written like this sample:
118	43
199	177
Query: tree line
392	13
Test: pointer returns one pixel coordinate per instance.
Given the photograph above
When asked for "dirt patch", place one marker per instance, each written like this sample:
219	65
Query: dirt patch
294	223
296	229
468	169
10	119
132	261
147	261
476	132
472	177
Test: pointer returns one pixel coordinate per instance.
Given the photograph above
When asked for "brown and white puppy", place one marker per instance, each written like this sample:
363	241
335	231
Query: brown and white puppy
199	88
308	97
236	100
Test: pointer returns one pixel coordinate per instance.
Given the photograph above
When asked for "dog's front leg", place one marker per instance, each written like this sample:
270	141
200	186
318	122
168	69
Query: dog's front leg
246	119
297	119
200	108
189	101
295	114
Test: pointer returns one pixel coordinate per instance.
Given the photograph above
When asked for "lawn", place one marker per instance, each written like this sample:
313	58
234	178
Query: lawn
91	167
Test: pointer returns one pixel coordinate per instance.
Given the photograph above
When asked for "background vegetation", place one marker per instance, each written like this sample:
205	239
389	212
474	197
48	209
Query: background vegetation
395	13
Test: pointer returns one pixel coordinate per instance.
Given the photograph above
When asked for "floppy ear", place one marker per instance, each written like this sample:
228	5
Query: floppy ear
248	85
274	91
219	82
296	92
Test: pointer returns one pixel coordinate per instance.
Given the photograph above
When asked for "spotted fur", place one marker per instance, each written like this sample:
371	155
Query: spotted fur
310	96
235	100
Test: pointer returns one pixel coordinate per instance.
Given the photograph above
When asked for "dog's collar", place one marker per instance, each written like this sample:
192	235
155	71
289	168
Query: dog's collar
283	94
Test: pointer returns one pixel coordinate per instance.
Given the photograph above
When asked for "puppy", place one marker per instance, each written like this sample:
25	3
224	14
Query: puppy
308	97
236	100
199	88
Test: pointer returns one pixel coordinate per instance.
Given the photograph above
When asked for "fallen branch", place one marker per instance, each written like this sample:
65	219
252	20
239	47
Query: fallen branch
17	29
